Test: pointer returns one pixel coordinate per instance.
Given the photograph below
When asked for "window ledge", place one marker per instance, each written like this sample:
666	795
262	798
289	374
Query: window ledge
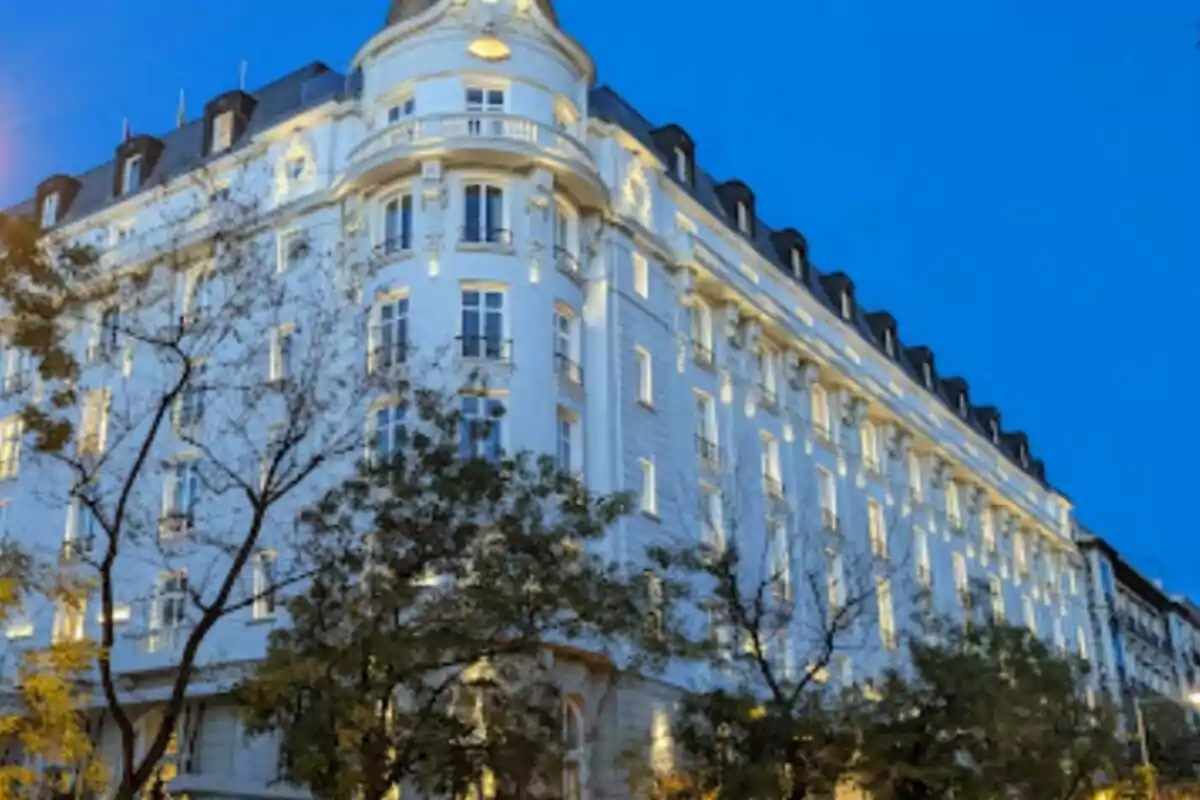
486	247
647	406
255	622
651	515
388	256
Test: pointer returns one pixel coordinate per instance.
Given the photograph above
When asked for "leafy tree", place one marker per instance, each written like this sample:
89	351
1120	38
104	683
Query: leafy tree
421	652
986	710
161	360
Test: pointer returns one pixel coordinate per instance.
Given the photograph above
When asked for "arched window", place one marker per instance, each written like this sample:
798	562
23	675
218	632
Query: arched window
574	740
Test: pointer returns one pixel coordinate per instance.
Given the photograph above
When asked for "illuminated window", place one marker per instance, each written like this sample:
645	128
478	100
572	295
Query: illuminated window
649	491
820	411
877	529
222	132
645	371
398	223
641	275
827	496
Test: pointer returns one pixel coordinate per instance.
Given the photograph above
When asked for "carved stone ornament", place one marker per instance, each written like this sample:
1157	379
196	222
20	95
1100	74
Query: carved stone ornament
685	282
731	319
900	442
941	472
976	499
854	409
751	335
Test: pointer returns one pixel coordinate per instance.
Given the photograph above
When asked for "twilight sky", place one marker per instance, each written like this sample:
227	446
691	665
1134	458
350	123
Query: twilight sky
1015	180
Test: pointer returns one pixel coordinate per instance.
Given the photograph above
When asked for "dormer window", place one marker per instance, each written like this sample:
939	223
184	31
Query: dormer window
889	342
131	174
962	405
222	131
847	305
797	262
50	210
743	218
995	428
681	165
927	373
1024	453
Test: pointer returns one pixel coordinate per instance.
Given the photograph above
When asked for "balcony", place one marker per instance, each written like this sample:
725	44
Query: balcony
485	349
702	355
504	138
480	237
567	370
708	453
568	264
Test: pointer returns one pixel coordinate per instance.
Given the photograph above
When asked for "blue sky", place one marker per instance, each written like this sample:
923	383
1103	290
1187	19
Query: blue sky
1016	181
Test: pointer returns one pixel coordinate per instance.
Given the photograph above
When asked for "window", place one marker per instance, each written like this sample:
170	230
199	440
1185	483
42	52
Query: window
566	450
771	472
69	619
847	305
820	411
962	583
566	364
889	342
389	334
222	131
641	275
962	405
1029	613
712	532
996	591
767	377
953	507
10	447
876	529
93	429
131	174
402	110
17	368
483	221
797	263
827	495
649	492
282	347
835	581
293	249
50	210
869	434
927	374
702	333
181	496
481	430
645	384
924	565
480	98
106	338
987	527
887	618
1081	644
916	481
169	609
263	605
780	562
483	325
681	165
1060	637
189	410
994	427
83	528
397	224
1020	556
706	431
574	758
564	239
387	433
743	217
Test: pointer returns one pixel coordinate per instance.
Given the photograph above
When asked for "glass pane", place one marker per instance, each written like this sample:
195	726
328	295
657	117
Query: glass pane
495	218
471	232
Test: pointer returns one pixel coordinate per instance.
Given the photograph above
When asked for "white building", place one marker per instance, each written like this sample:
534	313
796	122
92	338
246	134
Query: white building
634	315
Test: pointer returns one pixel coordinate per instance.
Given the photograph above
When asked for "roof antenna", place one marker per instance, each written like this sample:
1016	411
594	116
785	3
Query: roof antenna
242	74
126	130
181	113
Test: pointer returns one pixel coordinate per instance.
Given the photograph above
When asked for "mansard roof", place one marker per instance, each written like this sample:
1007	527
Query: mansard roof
605	103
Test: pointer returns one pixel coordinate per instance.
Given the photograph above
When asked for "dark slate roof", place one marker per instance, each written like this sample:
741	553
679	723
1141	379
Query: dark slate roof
1127	574
606	104
183	147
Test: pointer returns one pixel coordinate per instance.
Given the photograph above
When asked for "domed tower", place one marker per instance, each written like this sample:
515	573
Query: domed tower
471	190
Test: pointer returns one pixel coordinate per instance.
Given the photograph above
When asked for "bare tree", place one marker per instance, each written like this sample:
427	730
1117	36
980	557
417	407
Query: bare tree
195	382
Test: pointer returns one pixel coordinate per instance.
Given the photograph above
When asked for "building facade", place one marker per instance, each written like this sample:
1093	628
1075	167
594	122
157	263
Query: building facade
478	196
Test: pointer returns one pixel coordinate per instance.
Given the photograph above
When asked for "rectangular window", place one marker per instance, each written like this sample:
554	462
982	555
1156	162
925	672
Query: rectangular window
1030	613
641	276
771	471
69	619
916	481
389	335
483	325
169	609
198	300
564	239
767	377
50	210
780	562
869	434
649	492
566	348
820	411
106	337
402	110
743	217
962	582
222	132
681	165
835	581
1020	556
93	429
189	409
567	450
181	496
987	527
16	365
387	433
82	528
996	590
397	224
293	249
10	447
645	386
706	431
702	335
131	175
263	606
483	220
712	533
887	618
924	564
827	496
282	347
481	427
1081	645
953	507
480	98
876	529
